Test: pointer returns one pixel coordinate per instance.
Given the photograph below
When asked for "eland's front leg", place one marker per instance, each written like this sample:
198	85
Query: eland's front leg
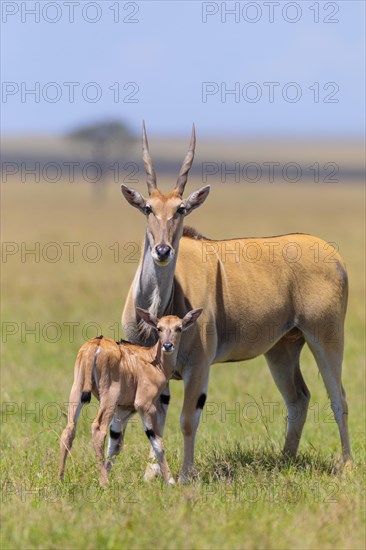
152	468
149	420
195	394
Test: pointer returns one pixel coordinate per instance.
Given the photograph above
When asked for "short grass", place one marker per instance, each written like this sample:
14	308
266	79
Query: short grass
244	495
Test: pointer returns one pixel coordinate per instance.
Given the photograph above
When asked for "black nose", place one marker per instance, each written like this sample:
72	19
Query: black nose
168	346
163	251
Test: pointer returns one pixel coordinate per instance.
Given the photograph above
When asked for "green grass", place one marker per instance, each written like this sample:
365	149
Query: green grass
244	495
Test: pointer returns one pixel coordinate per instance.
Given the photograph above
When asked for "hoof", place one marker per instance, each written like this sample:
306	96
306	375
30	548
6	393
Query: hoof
104	482
108	466
152	472
103	478
346	466
343	466
187	477
183	480
288	455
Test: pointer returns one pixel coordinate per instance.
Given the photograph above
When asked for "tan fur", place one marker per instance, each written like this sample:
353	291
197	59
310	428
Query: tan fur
261	296
127	378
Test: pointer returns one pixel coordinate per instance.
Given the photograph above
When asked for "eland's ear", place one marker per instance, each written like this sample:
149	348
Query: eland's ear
133	197
197	198
148	317
191	317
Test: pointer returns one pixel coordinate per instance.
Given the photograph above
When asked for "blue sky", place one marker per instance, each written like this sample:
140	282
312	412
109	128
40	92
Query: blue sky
162	63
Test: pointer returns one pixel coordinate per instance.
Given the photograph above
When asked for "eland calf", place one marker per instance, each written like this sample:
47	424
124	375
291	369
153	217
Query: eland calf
126	378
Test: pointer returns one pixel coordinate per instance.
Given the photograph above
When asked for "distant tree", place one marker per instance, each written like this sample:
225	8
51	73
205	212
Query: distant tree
108	141
103	133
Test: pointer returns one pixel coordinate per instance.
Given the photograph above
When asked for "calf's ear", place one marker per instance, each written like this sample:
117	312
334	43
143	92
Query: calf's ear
148	317
191	317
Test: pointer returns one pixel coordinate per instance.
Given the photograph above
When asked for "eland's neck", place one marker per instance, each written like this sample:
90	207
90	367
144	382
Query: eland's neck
153	286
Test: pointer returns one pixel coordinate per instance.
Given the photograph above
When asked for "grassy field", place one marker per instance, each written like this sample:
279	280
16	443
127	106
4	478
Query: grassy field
244	495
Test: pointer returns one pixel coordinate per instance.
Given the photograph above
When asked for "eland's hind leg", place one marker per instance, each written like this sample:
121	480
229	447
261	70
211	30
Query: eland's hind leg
327	349
99	430
116	435
68	435
284	363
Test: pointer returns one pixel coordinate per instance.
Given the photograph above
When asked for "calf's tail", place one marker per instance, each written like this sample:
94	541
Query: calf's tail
91	363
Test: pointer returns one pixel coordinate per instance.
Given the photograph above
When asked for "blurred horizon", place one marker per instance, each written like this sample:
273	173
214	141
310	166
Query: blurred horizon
55	159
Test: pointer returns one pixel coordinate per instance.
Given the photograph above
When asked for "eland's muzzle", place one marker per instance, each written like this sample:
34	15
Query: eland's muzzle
163	252
168	347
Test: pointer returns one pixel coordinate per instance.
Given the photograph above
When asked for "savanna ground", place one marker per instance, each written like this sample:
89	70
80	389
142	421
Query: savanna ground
244	496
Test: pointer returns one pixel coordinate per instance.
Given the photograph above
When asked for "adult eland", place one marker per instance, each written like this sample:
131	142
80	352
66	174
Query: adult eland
260	296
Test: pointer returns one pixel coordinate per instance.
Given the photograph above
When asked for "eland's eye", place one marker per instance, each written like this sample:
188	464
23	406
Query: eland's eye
181	209
159	329
179	329
148	209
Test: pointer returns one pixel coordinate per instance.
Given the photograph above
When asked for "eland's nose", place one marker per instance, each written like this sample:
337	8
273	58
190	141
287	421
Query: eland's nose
163	251
168	346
